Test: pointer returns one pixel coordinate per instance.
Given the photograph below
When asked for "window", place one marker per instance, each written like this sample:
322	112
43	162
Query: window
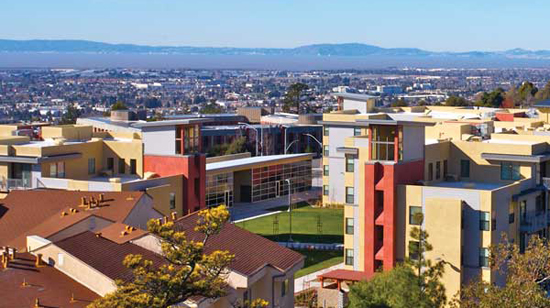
357	131
284	288
133	166
349	256
523	211
121	166
110	163
349	195
325	190
179	138
172	201
464	168
430	172
484	218
325	170
350	164
511	218
437	170
415	215
57	170
325	150
484	257
414	249
509	171
325	131
539	205
91	165
445	168
349	225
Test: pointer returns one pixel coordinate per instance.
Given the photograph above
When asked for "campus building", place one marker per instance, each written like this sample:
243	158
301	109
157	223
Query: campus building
474	174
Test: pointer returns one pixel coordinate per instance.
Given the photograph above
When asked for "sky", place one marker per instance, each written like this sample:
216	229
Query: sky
436	25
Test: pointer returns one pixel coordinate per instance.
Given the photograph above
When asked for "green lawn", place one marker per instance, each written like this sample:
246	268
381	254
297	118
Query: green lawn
319	259
309	225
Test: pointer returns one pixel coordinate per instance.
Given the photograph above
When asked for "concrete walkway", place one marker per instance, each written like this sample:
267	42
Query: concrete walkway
310	280
245	211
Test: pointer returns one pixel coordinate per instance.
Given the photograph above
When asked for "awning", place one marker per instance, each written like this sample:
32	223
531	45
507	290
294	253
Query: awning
539	158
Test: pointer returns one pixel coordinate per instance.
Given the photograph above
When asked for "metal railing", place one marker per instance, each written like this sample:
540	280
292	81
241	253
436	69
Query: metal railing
14	184
533	221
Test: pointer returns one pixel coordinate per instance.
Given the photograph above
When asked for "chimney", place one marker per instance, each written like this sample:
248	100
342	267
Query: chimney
164	220
36	303
24	283
101	197
64	214
98	234
83	202
123	233
12	255
38	261
73	300
174	215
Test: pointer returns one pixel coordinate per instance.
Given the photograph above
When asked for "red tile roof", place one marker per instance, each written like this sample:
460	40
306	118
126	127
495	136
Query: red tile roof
104	255
51	287
252	252
347	275
24	211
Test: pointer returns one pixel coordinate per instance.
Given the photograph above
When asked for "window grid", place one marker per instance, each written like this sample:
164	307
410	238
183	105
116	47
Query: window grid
218	187
349	225
349	256
270	182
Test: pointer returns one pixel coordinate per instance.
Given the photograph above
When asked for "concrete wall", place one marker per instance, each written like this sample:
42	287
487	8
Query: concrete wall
141	213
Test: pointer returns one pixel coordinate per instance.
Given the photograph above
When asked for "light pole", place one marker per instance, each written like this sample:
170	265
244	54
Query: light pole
288	147
256	131
289	209
319	142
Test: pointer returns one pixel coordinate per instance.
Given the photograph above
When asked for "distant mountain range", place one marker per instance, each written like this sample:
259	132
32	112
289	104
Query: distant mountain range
337	50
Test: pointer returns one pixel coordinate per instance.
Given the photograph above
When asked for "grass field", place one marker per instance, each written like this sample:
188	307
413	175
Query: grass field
309	225
317	260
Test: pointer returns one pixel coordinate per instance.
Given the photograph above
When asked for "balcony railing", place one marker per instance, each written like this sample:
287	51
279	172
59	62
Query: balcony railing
533	221
14	184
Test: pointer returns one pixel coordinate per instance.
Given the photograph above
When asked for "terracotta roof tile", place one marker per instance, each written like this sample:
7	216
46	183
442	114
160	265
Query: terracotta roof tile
25	210
252	252
119	233
104	255
51	287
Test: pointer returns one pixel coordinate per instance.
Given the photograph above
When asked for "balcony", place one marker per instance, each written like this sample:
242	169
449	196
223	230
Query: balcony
14	184
533	221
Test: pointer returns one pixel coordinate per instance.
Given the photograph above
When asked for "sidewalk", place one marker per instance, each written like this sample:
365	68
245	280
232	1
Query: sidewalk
245	211
309	281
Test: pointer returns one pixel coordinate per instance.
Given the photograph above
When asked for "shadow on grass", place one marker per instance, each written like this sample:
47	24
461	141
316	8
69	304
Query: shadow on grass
307	238
285	207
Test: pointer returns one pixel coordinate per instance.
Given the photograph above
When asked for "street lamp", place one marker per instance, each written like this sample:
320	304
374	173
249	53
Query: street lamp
289	209
288	147
257	136
319	142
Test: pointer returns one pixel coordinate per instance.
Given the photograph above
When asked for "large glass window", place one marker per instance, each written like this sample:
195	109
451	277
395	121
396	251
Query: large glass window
383	142
357	131
415	215
350	163
270	182
350	192
484	221
219	189
483	257
464	168
509	171
349	256
349	225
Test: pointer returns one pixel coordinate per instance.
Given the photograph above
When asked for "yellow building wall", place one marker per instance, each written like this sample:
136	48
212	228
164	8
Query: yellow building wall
125	150
69	132
442	222
75	168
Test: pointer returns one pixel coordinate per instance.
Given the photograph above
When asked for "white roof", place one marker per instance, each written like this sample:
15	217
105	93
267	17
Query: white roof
250	161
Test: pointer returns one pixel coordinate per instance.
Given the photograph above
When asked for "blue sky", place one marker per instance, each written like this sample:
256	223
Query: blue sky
450	25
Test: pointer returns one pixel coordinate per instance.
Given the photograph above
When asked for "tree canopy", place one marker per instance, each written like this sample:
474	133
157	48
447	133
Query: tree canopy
492	99
293	97
119	106
187	271
399	103
457	101
211	108
70	116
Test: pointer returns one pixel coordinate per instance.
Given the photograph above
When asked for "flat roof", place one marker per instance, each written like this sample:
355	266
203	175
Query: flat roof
536	158
251	161
468	185
354	96
170	122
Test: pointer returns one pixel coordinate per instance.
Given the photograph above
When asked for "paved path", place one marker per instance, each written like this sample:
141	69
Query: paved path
309	281
245	211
